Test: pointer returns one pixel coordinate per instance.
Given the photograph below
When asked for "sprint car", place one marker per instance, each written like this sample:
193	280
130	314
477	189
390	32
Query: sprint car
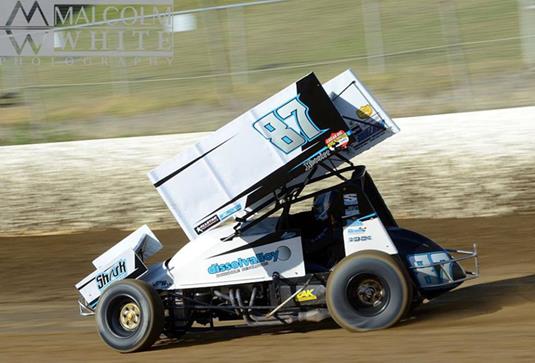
282	228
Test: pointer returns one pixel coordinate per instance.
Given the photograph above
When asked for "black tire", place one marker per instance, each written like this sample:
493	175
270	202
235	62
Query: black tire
130	316
367	291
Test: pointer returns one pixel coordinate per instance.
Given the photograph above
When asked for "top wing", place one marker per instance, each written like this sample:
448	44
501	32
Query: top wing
273	144
368	122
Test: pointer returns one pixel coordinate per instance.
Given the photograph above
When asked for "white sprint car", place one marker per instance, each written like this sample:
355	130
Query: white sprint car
269	243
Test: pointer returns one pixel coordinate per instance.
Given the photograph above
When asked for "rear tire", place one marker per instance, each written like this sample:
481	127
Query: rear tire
367	291
130	316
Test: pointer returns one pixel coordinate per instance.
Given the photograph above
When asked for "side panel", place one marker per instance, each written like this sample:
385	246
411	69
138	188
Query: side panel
368	122
355	103
363	228
367	233
126	264
142	240
124	259
210	262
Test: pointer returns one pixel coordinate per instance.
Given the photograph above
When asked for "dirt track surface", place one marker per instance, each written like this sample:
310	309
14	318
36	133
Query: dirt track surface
490	319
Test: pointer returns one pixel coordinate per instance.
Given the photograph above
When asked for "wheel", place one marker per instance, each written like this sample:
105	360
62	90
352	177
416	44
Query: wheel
130	316
367	291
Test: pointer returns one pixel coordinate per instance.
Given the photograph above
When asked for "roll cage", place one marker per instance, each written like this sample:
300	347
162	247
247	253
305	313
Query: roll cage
285	196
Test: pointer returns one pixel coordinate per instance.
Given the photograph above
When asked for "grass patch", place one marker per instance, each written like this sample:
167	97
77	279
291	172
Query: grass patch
425	80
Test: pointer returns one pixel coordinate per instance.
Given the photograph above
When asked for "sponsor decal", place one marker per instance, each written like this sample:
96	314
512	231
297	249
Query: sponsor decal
364	112
309	164
306	295
351	211
355	232
350	199
240	264
210	222
360	238
117	271
356	229
337	141
351	204
230	211
289	126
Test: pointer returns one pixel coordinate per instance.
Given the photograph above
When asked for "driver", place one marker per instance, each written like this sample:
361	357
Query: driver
325	233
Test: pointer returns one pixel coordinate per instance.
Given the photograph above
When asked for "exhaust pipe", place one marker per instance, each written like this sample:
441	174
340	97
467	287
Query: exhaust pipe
315	315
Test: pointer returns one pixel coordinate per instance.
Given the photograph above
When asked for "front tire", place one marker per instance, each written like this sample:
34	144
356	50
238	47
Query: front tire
367	291
130	316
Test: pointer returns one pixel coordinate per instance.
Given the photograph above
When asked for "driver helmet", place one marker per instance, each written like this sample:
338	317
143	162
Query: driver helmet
322	206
